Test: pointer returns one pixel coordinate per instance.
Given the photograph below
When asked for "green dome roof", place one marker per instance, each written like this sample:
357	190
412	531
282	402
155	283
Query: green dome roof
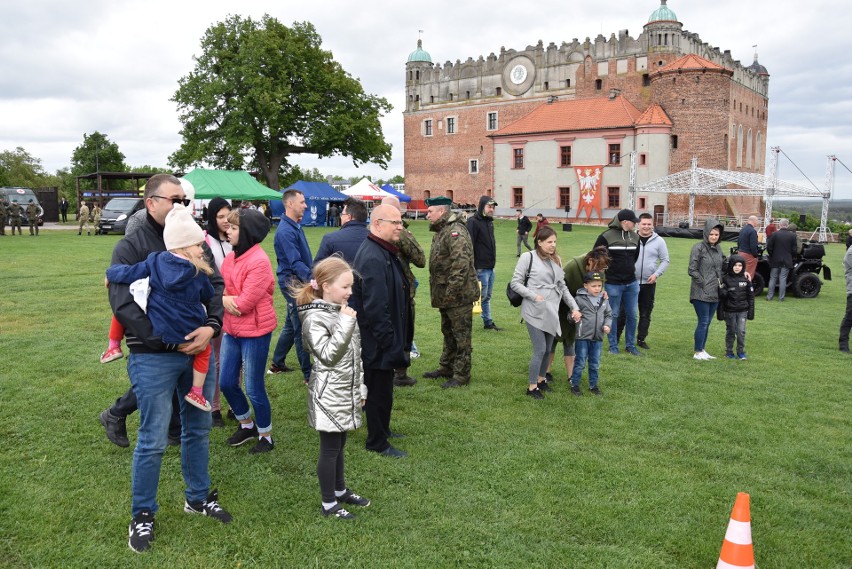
663	13
419	54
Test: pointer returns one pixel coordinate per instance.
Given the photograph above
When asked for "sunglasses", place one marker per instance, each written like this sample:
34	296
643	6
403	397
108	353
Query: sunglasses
175	201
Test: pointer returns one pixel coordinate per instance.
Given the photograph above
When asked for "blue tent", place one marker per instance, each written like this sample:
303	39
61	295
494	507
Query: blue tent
402	197
317	195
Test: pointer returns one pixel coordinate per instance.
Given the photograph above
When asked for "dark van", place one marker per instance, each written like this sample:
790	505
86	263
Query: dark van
115	213
23	197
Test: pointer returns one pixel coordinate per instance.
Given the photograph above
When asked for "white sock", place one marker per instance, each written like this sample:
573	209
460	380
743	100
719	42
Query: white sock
267	437
249	425
339	493
329	505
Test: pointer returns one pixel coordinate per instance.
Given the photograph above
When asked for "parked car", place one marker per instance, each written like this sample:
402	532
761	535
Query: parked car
803	279
23	197
115	213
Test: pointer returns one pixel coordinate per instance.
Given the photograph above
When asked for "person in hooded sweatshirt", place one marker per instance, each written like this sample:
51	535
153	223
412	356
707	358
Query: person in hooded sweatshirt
705	270
737	305
248	325
481	229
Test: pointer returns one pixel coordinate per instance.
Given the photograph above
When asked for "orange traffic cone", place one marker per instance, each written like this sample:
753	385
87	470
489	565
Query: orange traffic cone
737	551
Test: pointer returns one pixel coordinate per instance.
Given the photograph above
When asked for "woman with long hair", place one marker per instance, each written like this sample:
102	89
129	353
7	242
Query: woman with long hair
705	270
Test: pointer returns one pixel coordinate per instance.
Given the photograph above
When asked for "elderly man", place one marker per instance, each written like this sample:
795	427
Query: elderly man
351	234
781	247
410	252
481	229
747	244
384	318
158	370
294	266
622	286
454	288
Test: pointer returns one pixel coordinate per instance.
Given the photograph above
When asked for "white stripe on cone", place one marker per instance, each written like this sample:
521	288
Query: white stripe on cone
739	532
723	565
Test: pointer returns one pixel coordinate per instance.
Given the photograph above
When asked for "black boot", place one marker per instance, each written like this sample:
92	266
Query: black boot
402	379
115	427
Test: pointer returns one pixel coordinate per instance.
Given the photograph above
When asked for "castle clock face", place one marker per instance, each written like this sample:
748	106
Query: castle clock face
518	74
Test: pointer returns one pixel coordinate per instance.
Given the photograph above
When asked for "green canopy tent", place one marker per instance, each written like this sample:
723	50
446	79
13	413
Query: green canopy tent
229	184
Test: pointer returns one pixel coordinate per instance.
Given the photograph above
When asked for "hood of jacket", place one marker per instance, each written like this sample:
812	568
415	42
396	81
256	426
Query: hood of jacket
254	227
733	259
212	211
483	201
709	225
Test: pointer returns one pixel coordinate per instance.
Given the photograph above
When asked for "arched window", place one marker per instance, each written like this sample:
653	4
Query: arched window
758	153
749	150
740	147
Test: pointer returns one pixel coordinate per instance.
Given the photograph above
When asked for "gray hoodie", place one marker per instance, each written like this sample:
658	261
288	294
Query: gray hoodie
594	318
653	258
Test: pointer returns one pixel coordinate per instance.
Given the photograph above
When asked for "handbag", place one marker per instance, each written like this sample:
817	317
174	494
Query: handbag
516	299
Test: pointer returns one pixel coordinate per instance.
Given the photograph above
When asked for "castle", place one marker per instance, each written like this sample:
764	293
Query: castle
541	126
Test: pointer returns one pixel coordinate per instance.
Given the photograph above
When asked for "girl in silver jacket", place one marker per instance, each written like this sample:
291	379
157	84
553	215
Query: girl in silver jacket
336	388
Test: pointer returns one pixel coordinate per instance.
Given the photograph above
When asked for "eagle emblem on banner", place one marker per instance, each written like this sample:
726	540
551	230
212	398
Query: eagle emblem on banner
589	182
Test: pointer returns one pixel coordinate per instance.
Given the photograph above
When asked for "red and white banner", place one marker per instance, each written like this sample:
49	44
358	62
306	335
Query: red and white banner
589	182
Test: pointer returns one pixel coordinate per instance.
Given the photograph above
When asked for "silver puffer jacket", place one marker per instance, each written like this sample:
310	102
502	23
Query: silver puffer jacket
336	387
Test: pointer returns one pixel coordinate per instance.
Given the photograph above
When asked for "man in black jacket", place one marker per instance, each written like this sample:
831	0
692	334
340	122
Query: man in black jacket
481	229
524	228
158	370
781	247
381	294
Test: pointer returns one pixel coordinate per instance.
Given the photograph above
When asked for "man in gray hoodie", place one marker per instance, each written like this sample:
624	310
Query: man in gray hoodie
652	263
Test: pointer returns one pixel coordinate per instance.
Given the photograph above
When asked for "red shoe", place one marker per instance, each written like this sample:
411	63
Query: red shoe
112	354
198	401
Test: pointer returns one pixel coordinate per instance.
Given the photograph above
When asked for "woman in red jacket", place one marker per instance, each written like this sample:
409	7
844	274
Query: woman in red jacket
249	322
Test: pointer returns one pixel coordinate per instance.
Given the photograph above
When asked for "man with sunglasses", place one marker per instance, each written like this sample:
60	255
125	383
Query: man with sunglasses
158	371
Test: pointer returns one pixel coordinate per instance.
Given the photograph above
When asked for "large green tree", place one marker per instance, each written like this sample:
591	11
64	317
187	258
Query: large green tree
97	153
261	91
20	168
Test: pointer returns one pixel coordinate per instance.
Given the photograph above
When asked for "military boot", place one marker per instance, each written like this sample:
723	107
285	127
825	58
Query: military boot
115	427
402	379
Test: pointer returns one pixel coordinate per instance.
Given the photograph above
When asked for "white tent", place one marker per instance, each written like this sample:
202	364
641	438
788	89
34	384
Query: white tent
367	191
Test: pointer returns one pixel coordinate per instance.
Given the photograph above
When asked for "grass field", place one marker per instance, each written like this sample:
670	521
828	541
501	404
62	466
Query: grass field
644	477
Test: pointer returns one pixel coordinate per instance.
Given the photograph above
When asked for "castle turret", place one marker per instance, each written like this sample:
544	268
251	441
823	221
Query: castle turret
418	65
663	31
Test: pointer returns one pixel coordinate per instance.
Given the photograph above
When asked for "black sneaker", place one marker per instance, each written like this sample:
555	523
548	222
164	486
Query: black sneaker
262	446
535	393
404	380
643	344
141	532
242	436
492	326
209	507
354	499
217	419
548	377
230	415
438	374
544	386
337	511
595	391
115	427
575	390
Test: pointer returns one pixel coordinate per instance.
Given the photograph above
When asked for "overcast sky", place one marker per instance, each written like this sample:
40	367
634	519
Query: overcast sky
69	68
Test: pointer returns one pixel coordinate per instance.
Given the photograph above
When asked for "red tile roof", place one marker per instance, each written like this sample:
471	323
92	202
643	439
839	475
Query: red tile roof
690	61
579	114
654	115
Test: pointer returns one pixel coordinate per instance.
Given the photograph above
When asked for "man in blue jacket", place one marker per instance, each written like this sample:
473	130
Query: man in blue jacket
351	234
294	266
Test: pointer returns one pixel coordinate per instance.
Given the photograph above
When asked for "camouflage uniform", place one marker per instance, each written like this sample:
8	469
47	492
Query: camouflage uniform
83	217
454	288
410	252
96	218
32	217
2	218
15	217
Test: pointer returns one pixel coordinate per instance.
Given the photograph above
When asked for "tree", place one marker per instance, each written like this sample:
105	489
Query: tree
261	91
19	168
97	154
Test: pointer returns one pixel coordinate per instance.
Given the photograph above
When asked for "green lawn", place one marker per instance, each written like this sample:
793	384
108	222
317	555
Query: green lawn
643	477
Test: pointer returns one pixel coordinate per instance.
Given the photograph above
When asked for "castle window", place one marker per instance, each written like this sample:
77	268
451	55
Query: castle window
518	162
646	80
568	83
451	125
498	91
598	84
427	194
564	197
427	127
431	98
614	154
474	167
740	146
643	159
410	76
546	85
674	141
564	156
417	75
450	195
491	121
517	197
467	94
643	203
451	96
417	97
613	196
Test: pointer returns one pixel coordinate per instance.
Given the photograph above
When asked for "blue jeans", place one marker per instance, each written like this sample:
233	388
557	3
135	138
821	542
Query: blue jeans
623	297
779	275
292	334
586	350
705	312
486	278
250	355
154	378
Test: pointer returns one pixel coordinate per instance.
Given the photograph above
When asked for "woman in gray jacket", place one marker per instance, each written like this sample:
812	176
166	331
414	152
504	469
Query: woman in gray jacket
539	278
705	270
336	388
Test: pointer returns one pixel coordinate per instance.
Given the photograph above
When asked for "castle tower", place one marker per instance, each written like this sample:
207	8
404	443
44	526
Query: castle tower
417	69
662	36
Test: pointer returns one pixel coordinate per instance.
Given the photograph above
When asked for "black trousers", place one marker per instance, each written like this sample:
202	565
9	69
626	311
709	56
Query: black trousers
647	292
126	405
846	323
379	384
330	464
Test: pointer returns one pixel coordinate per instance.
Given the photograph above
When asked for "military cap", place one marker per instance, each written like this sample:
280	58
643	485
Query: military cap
440	200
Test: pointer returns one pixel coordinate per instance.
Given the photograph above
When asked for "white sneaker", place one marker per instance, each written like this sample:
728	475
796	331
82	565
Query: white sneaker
700	356
708	356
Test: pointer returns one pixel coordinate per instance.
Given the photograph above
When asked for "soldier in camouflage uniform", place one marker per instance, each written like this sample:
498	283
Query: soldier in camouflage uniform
3	215
83	217
32	217
454	287
410	252
15	216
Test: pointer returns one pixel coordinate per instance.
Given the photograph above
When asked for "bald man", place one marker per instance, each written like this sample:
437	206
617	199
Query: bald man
747	244
381	299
